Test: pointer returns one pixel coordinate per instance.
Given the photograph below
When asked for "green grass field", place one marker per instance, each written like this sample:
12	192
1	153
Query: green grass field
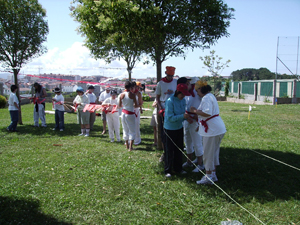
52	177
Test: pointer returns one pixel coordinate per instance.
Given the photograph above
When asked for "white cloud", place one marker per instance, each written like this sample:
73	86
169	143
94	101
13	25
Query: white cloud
77	60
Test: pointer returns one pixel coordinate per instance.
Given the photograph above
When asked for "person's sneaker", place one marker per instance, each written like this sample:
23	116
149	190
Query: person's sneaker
118	140
187	164
198	168
53	128
214	177
8	129
168	175
112	140
86	135
61	130
195	161
207	179
44	126
162	158
183	172
81	134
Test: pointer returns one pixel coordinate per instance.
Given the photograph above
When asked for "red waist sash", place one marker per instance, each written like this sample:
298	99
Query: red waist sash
128	112
203	122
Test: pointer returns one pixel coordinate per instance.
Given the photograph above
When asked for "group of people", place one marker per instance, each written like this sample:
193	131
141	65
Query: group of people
189	115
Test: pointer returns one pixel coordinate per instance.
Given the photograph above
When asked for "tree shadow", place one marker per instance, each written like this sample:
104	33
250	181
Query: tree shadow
246	175
24	211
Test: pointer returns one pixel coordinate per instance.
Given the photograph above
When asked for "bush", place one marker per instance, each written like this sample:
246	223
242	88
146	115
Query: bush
146	97
2	101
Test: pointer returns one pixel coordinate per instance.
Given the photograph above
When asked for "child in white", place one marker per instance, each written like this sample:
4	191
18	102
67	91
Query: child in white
112	116
58	102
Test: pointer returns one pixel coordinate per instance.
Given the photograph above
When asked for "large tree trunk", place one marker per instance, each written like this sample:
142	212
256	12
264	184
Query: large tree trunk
158	77
16	71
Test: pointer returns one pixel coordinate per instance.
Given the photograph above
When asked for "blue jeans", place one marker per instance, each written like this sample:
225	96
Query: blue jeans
59	120
14	116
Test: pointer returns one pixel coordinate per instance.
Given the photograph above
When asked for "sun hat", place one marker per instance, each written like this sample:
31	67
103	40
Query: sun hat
80	89
170	70
183	88
107	87
138	84
113	92
200	84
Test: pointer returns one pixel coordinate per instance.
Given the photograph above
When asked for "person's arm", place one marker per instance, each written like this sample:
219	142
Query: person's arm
106	102
170	112
44	95
199	112
120	100
140	101
16	105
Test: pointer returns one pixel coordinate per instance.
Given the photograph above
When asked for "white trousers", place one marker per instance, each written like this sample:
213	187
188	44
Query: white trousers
113	124
39	115
211	147
192	138
137	139
128	123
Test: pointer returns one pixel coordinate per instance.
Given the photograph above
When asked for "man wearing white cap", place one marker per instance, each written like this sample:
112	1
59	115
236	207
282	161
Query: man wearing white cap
104	95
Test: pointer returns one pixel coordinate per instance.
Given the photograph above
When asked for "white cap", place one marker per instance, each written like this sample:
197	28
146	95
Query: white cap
194	80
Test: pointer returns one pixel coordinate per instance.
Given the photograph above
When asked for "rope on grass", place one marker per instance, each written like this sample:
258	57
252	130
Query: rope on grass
275	159
218	185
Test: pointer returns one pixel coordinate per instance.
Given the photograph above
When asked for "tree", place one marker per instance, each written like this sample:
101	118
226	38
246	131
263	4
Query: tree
160	28
105	36
214	65
23	29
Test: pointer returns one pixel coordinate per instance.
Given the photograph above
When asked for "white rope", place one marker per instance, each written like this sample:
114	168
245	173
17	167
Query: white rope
217	185
275	159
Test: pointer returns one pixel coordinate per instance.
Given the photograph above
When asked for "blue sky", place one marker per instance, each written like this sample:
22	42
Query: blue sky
252	43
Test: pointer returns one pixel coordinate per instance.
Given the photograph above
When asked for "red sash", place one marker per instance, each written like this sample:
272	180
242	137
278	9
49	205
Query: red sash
128	112
203	122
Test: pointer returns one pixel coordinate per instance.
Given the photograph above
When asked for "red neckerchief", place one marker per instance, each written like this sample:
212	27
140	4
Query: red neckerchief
166	80
192	90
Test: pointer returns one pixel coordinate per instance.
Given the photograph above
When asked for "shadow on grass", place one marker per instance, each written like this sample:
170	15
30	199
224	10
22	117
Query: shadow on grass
24	211
246	175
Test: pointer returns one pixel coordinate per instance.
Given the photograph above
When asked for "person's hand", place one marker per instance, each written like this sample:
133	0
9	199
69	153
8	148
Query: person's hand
186	116
197	129
193	109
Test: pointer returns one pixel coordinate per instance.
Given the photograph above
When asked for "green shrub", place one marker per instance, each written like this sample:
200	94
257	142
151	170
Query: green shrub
2	101
146	97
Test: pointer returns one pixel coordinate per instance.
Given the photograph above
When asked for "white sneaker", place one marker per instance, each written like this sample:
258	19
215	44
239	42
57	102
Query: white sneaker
168	175
81	134
207	179
86	135
61	130
195	161
187	164
214	177
112	140
198	168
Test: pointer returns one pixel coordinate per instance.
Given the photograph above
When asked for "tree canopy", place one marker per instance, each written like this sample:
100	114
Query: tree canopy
158	28
257	74
23	29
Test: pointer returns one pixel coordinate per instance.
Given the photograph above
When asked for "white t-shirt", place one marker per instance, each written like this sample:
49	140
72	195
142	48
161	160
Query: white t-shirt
192	101
92	97
104	95
59	98
112	102
165	90
12	98
216	126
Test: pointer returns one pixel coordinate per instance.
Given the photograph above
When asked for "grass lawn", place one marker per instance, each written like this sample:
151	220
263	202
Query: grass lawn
52	177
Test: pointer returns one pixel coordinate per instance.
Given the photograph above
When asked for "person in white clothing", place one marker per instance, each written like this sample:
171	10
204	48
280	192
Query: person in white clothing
92	98
138	110
83	118
104	95
14	108
112	116
58	102
39	101
128	101
212	130
192	138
